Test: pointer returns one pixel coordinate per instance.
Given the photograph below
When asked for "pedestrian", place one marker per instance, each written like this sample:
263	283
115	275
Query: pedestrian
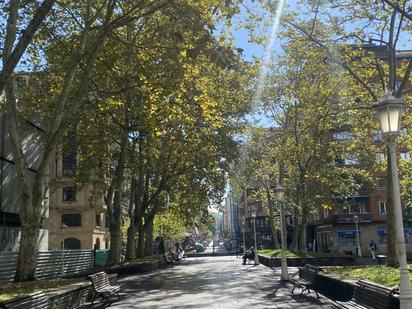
250	255
373	248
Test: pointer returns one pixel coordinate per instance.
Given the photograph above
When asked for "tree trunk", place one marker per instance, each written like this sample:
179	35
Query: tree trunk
392	259
26	263
302	234
140	241
271	221
148	235
295	237
131	231
115	213
115	245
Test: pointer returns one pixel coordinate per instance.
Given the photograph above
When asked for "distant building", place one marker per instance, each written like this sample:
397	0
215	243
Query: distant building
231	220
264	237
79	216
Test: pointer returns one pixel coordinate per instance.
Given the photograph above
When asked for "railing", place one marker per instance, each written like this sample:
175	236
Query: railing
50	264
349	218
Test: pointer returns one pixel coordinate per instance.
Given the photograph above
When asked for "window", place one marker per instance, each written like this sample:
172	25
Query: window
72	219
382	208
9	219
343	136
106	221
381	157
377	137
72	244
381	184
106	243
405	156
325	213
69	163
98	220
97	244
69	194
69	153
382	235
351	208
351	159
347	238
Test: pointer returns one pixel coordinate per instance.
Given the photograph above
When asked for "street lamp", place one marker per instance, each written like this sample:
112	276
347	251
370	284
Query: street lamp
284	266
63	226
389	112
253	213
356	220
242	222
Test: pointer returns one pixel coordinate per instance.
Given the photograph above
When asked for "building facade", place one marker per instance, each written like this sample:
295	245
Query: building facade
246	203
9	199
77	216
361	218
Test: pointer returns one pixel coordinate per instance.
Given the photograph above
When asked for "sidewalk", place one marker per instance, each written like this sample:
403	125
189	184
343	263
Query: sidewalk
213	282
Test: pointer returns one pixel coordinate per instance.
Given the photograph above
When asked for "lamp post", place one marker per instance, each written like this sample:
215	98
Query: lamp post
356	220
253	213
388	112
242	222
63	226
284	266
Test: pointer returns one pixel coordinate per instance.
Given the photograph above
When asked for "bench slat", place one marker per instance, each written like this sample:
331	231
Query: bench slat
368	295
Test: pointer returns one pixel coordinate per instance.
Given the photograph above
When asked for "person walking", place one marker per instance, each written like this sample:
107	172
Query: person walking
373	248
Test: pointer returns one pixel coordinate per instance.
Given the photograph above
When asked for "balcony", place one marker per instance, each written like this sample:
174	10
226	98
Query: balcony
348	218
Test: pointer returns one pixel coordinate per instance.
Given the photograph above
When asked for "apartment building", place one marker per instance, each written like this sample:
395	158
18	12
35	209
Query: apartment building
246	203
360	217
77	216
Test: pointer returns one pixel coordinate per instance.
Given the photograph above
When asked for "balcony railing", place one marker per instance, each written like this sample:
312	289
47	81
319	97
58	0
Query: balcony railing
348	218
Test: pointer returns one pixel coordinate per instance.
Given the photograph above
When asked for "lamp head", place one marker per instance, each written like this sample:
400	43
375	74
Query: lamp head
253	211
280	192
389	112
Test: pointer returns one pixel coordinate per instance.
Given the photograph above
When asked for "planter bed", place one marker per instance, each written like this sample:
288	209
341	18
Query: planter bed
301	261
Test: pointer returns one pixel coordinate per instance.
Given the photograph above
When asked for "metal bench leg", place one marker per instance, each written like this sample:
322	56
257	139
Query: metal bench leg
317	295
118	295
294	287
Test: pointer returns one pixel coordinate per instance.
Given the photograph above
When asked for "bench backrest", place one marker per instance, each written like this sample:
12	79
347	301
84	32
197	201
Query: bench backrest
34	301
308	274
371	295
100	281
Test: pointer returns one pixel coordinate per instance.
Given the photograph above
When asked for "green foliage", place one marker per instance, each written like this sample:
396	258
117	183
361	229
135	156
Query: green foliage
380	274
169	225
277	253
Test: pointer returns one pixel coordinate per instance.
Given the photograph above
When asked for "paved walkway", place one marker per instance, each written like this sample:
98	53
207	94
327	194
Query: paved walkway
213	282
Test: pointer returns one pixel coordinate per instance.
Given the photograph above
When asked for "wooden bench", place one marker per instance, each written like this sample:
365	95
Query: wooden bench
102	287
306	280
33	301
369	295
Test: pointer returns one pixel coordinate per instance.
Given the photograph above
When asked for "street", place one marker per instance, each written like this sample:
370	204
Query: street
212	282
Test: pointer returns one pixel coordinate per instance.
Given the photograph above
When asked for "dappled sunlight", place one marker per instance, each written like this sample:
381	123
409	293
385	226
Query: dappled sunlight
207	282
